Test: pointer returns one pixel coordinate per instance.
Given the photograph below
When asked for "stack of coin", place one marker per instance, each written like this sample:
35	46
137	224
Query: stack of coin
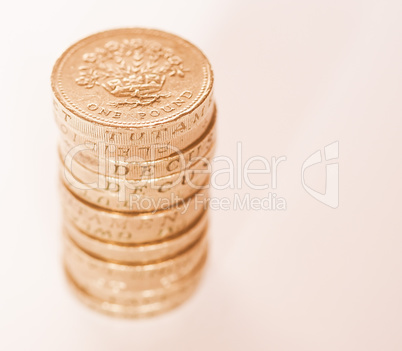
137	120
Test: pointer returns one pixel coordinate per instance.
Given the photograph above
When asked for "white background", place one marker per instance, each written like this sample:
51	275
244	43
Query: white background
291	77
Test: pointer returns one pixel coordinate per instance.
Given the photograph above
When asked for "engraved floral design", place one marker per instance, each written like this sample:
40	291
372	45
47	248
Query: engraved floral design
133	69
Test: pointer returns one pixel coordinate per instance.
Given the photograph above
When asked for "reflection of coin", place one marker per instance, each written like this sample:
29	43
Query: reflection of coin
106	278
133	85
134	228
148	304
136	168
140	253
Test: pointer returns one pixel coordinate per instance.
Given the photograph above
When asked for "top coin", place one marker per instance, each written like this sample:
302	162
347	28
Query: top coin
131	78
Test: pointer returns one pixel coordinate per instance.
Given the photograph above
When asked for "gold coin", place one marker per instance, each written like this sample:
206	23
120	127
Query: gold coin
137	196
133	228
177	160
147	181
106	289
134	85
108	280
133	150
137	307
140	253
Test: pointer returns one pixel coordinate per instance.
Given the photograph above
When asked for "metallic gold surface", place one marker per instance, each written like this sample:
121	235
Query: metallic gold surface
137	307
140	253
108	280
143	196
110	289
133	80
176	161
137	117
132	228
132	148
85	176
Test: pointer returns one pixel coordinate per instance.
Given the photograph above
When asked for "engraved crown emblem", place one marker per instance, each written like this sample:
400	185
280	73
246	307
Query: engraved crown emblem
133	69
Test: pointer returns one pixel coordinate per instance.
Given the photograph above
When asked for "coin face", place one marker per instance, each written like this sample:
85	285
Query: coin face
132	78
